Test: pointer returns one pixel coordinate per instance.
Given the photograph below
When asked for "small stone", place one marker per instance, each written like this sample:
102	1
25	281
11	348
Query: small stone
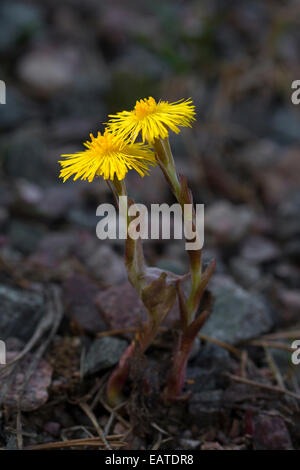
237	315
189	444
245	272
49	68
271	433
52	203
79	294
259	250
35	394
103	262
46	70
227	222
289	300
104	353
20	312
121	307
28	193
57	201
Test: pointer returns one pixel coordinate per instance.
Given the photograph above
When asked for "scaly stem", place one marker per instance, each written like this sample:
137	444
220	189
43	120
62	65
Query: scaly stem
189	307
134	262
166	162
183	195
157	296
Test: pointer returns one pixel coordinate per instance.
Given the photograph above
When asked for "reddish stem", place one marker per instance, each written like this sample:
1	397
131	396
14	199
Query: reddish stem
119	376
176	377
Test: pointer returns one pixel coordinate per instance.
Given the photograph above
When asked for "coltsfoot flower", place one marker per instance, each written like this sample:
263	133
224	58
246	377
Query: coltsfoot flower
107	155
152	120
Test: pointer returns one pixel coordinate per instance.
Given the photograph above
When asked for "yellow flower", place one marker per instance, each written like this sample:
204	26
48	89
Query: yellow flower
109	156
153	120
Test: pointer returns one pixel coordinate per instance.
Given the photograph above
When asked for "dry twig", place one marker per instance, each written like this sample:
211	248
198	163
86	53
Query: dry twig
93	419
86	442
271	388
220	343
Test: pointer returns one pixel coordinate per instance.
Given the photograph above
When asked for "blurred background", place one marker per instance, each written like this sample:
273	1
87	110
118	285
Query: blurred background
68	64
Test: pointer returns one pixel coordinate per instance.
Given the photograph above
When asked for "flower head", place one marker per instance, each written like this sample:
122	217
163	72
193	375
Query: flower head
153	120
109	156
